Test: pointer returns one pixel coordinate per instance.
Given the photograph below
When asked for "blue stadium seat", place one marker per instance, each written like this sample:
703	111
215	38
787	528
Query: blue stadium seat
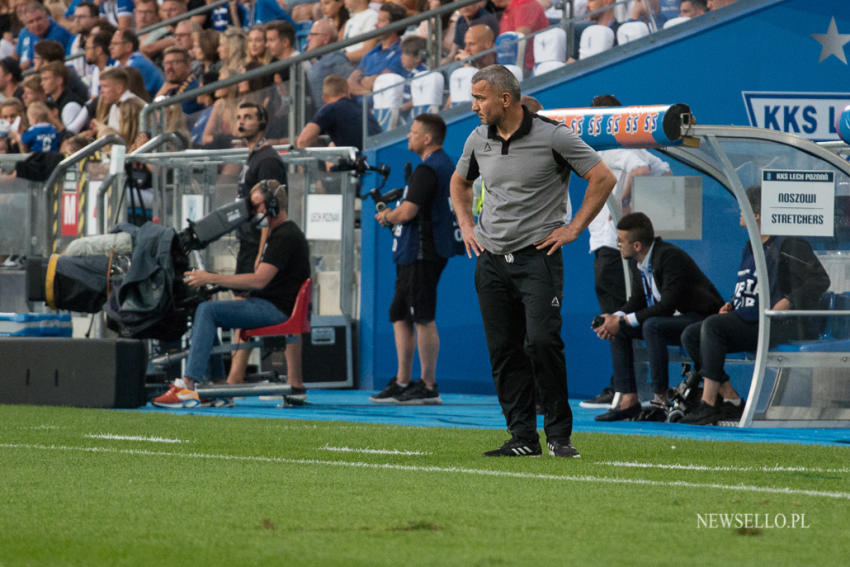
509	50
630	31
595	39
426	90
550	45
388	98
460	85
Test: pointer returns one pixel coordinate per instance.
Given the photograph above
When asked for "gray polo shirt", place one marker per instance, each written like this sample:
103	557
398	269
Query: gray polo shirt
526	179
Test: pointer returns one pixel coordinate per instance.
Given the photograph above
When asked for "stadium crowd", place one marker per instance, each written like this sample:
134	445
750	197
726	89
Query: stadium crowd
78	70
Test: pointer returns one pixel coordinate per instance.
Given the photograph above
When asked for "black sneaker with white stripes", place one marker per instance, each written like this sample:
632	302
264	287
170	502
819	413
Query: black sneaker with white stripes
515	447
562	449
390	393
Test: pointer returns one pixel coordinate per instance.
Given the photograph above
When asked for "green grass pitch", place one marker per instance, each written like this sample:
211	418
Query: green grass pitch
105	487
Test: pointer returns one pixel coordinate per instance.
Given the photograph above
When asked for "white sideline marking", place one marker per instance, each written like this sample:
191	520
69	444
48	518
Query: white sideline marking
132	438
460	470
775	468
372	451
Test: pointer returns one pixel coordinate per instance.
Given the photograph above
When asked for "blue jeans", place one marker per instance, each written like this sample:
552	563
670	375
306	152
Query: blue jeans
246	314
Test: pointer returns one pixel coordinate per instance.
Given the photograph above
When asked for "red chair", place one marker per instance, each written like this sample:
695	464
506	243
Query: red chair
297	324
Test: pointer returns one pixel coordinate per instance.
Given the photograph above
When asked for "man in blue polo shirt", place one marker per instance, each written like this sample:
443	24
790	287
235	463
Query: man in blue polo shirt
341	118
39	25
385	58
124	48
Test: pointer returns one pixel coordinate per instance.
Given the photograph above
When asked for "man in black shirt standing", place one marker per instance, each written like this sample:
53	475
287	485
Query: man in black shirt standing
272	289
263	163
424	230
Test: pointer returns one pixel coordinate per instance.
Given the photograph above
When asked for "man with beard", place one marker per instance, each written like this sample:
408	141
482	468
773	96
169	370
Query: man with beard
525	161
263	163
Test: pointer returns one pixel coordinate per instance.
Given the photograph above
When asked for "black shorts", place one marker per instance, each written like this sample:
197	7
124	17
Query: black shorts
415	297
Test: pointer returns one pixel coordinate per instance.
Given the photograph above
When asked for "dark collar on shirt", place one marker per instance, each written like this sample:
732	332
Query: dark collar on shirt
523	130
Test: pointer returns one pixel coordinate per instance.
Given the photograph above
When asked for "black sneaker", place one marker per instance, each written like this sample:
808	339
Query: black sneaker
296	396
390	393
655	412
630	413
562	449
731	412
418	394
703	414
515	447
602	401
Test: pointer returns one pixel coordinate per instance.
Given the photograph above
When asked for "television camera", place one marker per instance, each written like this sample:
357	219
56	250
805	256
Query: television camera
360	167
140	287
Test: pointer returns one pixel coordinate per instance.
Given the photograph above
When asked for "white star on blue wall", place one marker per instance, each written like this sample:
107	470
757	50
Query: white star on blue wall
832	42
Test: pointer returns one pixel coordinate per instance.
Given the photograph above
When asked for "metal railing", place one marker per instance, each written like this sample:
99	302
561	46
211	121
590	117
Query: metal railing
296	113
59	173
296	62
176	19
150	145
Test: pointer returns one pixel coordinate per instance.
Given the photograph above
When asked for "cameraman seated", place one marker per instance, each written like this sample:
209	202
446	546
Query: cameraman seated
797	280
273	287
668	293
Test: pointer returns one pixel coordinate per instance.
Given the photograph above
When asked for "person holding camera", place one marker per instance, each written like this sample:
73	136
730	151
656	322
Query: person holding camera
271	291
668	293
424	239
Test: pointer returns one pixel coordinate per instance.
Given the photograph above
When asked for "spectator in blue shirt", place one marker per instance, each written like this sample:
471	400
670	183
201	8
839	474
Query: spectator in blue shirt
119	13
414	50
231	14
384	58
124	48
262	11
41	136
39	25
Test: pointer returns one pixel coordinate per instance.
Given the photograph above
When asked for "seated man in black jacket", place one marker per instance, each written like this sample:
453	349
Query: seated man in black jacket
796	280
668	293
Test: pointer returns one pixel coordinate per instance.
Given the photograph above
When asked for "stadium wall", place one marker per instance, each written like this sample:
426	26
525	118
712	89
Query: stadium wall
750	64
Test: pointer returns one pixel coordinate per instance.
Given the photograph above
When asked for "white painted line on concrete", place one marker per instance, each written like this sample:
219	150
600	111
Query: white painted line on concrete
132	438
679	467
373	451
455	470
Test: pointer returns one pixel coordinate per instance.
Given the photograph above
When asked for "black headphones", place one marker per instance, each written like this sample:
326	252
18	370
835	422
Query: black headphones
270	199
262	117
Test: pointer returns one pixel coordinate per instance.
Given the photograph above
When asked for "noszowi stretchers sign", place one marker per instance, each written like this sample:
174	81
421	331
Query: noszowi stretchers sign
797	203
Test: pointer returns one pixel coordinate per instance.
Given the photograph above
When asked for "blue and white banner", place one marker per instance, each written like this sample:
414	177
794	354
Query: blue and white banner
809	115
